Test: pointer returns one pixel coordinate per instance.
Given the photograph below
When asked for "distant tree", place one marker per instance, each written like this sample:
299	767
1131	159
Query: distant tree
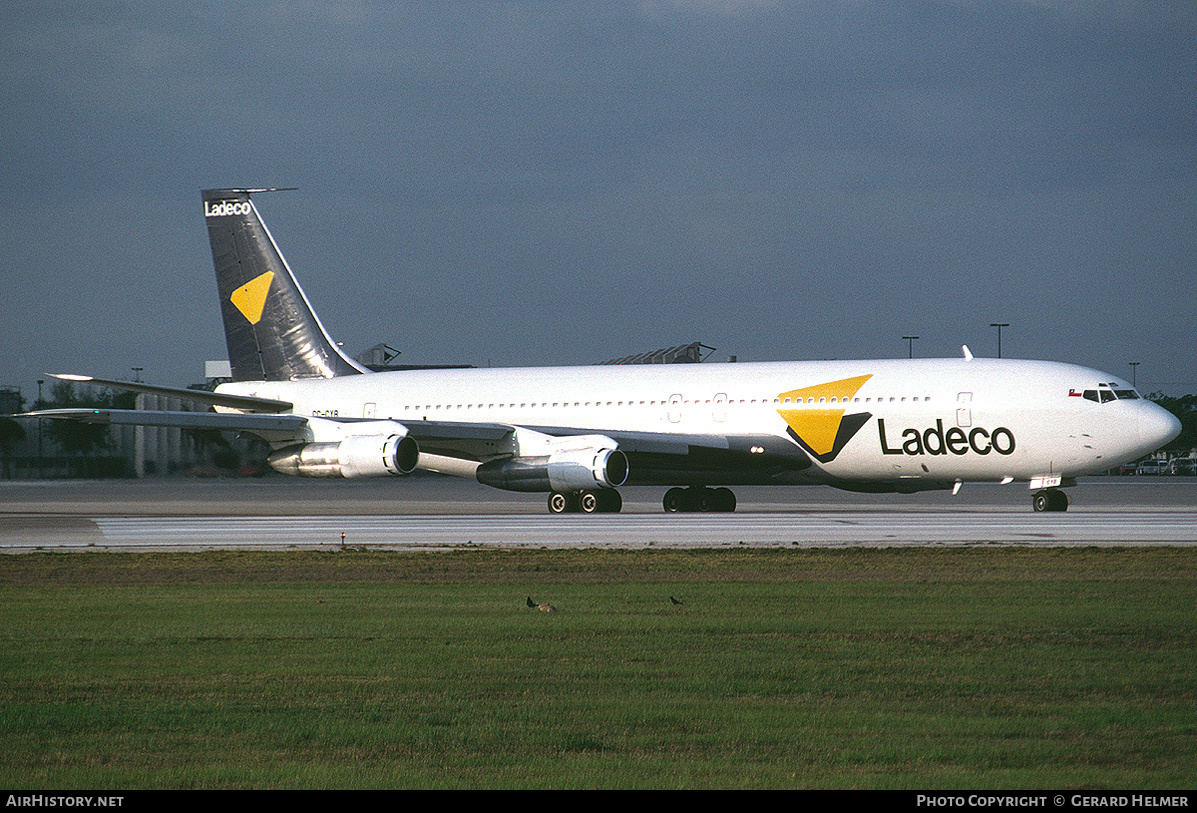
1185	409
77	437
10	433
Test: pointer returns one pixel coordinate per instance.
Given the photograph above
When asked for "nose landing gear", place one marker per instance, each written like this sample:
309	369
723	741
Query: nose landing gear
1050	499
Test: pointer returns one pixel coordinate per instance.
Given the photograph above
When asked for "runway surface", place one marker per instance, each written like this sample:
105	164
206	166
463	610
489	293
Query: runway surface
441	513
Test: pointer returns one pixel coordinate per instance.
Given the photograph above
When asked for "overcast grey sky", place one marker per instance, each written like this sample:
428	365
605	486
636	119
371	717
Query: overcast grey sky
529	183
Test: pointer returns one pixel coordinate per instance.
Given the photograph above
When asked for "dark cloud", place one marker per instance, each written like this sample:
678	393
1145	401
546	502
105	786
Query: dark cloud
562	182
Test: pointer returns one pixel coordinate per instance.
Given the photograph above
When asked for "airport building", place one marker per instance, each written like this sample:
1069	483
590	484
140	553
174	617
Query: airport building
31	449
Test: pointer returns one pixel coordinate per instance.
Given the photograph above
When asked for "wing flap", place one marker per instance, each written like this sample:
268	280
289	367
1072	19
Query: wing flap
249	422
453	430
647	442
462	441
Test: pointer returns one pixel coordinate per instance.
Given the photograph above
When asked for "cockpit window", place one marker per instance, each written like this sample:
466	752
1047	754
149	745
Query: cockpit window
1105	395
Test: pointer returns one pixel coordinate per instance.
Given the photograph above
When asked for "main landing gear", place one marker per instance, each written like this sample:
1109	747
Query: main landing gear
601	501
676	500
699	499
1050	499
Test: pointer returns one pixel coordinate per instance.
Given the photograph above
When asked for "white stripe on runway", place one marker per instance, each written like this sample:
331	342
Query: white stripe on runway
643	530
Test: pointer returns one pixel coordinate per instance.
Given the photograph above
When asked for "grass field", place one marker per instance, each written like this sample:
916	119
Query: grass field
901	668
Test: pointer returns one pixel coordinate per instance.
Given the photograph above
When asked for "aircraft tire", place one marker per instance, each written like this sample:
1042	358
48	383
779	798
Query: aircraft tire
725	499
610	501
1051	499
674	500
588	502
1059	501
561	502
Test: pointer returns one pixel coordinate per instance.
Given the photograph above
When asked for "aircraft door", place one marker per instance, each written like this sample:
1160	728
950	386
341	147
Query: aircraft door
720	411
964	409
675	408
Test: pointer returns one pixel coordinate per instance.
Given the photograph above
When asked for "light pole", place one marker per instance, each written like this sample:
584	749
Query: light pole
1134	374
999	326
910	343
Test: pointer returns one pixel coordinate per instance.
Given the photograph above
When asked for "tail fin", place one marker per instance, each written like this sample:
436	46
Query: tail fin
272	332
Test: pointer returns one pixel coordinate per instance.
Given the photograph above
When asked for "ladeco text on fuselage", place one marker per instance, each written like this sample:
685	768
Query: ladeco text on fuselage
935	440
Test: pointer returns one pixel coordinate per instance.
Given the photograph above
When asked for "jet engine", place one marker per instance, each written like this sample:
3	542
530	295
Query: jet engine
357	456
566	470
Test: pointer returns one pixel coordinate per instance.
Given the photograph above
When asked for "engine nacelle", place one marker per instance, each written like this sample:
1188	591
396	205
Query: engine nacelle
567	470
358	456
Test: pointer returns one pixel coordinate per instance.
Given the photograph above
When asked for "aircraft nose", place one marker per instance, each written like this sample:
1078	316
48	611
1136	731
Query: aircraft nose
1157	426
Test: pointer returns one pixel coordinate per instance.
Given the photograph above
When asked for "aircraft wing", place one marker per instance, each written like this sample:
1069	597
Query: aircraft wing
484	441
468	441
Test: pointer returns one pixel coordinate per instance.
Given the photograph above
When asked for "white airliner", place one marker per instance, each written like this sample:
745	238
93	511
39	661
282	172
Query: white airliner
579	433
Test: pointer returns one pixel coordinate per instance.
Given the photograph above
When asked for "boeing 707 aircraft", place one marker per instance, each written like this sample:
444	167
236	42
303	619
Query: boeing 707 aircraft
579	433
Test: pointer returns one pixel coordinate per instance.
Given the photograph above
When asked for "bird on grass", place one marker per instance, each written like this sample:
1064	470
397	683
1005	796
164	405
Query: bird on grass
544	607
674	600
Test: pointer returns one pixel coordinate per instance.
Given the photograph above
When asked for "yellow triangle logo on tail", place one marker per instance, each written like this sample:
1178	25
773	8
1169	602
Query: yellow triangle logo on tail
250	298
815	418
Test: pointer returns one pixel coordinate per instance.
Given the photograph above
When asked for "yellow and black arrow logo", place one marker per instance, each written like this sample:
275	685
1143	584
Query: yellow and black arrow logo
817	416
250	298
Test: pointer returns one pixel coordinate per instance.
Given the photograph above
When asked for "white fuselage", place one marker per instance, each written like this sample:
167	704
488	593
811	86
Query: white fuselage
935	419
